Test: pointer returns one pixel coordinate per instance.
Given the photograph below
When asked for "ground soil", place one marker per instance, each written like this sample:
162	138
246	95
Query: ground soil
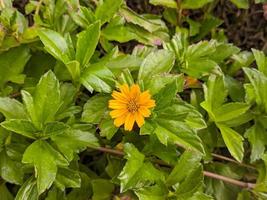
245	28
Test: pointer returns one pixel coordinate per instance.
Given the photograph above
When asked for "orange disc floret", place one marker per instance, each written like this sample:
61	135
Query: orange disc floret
130	105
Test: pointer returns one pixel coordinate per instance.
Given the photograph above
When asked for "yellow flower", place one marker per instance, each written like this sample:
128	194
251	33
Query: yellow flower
130	105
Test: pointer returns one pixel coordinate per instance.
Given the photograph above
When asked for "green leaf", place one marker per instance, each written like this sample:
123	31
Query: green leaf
47	97
244	195
199	67
97	77
187	163
74	69
256	136
126	77
213	99
107	127
5	193
84	16
262	178
105	11
178	45
11	69
241	3
29	105
259	83
10	170
201	49
113	167
261	61
153	39
155	63
54	128
192	4
191	184
137	173
68	94
167	94
102	189
165	3
95	108
134	164
22	127
156	192
209	24
162	80
131	16
194	118
55	194
86	43
73	141
68	108
28	190
224	51
166	153
117	30
194	27
242	59
198	59
45	102
235	88
230	111
241	120
67	178
124	62
3	138
187	175
233	141
55	44
45	160
177	132
201	196
84	191
11	108
119	33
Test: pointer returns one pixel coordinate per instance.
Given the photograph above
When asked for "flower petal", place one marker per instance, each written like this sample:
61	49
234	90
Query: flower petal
114	104
145	95
139	119
135	91
119	96
119	121
145	100
129	122
130	96
118	113
125	90
149	104
144	111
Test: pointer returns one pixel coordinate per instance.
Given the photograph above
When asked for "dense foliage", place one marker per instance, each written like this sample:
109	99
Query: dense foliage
202	132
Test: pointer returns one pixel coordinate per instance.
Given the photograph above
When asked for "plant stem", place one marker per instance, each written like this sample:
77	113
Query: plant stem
232	160
109	150
229	180
179	12
38	7
220	157
206	173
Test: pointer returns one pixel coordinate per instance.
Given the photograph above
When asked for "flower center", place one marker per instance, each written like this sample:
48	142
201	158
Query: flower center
132	106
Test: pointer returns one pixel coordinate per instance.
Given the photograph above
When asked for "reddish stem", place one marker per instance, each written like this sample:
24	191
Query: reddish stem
206	173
